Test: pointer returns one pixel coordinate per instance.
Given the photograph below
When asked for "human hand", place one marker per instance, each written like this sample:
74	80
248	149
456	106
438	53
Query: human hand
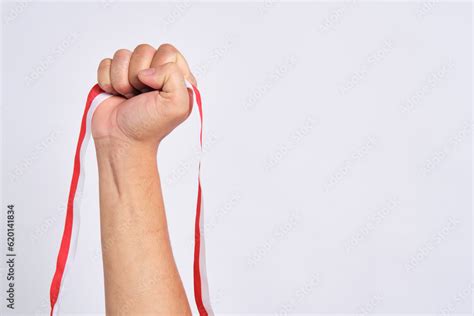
150	97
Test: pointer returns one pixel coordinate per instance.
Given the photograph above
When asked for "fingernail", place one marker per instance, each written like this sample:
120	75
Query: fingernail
129	95
147	72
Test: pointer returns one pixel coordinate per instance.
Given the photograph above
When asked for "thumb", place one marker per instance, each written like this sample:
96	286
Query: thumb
167	78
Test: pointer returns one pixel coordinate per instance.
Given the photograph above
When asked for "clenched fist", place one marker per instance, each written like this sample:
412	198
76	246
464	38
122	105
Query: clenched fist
150	97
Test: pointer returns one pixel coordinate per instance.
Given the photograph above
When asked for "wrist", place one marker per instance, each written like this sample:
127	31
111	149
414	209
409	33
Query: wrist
123	151
125	164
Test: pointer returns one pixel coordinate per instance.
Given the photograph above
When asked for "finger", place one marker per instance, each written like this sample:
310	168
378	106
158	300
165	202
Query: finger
141	59
103	76
119	73
169	80
166	78
167	53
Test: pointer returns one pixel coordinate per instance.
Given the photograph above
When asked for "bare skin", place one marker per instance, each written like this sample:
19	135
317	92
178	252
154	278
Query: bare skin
150	100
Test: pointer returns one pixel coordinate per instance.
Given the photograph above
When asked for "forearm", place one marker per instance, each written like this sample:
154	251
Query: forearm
139	269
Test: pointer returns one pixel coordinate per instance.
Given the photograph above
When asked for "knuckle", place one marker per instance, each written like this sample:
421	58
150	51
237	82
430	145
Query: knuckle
166	53
167	48
143	47
122	53
103	78
104	64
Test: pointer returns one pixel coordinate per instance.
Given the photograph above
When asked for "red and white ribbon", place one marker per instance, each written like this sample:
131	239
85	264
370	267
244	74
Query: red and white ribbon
201	289
70	236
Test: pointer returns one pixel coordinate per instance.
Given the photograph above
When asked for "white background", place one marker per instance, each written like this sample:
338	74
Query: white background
337	164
